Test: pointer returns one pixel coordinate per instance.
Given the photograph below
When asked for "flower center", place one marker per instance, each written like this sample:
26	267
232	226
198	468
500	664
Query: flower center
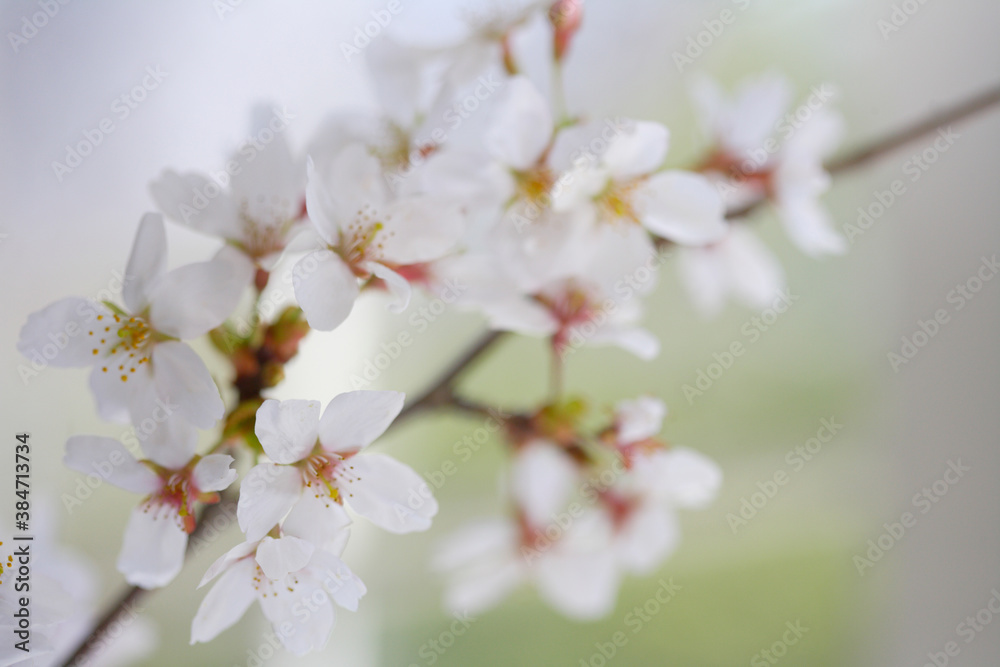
264	228
616	202
362	240
534	184
571	307
121	338
325	473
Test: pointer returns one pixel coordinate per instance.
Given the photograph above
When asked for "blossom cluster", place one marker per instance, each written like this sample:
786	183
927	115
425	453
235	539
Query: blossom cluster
467	172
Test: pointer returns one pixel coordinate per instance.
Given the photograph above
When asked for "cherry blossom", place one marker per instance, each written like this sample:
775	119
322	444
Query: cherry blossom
157	533
139	362
367	236
739	266
571	567
264	204
322	461
625	185
296	583
762	151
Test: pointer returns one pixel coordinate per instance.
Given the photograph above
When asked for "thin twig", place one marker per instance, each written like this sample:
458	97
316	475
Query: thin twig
131	595
440	392
880	147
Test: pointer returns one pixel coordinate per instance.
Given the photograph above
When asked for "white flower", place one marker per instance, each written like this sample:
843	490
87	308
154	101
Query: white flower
639	419
261	209
800	179
594	302
138	358
367	236
295	582
63	603
738	266
320	461
156	536
642	505
571	566
482	44
625	184
757	164
542	478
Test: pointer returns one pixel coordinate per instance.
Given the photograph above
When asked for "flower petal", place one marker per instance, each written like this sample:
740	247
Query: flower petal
809	227
225	603
183	307
197	202
167	439
399	287
279	558
542	478
116	397
287	429
522	125
146	263
639	419
320	520
181	377
109	459
680	476
307	611
580	585
57	335
353	420
682	207
649	535
224	562
153	550
344	586
267	493
388	493
212	473
420	229
325	288
638	152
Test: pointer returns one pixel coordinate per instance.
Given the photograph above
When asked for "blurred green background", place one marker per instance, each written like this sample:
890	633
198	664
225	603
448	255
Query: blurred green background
825	358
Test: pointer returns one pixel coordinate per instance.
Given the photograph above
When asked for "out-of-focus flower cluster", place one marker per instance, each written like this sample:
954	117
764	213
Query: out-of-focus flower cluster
553	222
